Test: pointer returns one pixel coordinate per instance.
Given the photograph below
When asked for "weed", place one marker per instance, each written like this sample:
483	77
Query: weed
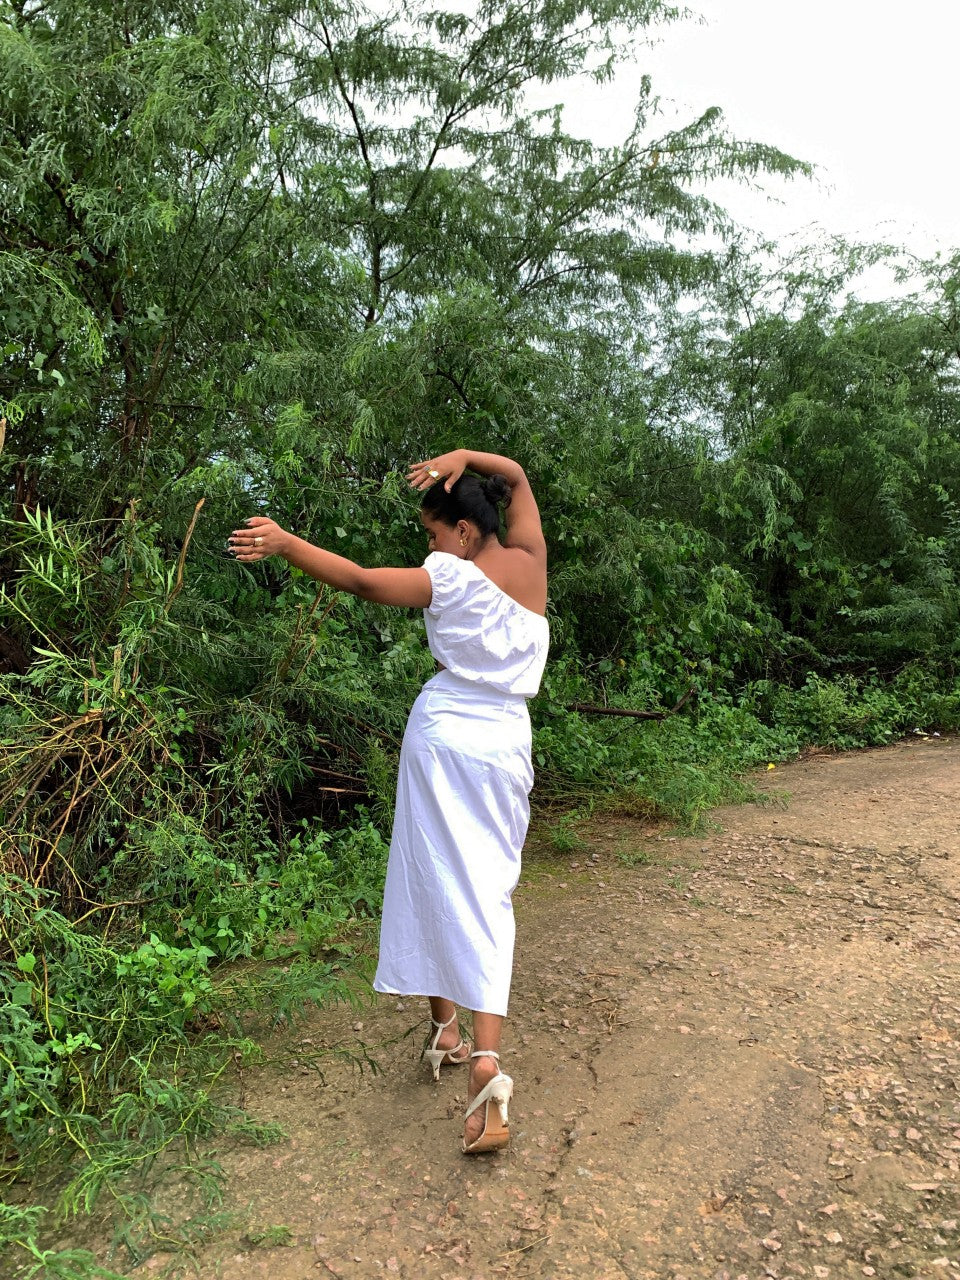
563	836
636	857
20	1228
260	1133
270	1237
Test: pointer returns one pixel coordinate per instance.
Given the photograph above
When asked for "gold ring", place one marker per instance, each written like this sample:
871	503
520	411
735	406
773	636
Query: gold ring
258	542
434	474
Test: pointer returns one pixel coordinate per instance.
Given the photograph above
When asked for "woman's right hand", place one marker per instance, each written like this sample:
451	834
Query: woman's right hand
448	466
259	538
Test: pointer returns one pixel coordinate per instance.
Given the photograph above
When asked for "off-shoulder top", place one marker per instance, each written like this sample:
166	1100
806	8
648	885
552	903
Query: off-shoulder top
478	632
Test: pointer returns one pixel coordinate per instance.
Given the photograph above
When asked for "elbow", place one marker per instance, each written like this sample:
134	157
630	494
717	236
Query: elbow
364	584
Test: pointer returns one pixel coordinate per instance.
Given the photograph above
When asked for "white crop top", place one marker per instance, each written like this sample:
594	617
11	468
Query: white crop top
478	632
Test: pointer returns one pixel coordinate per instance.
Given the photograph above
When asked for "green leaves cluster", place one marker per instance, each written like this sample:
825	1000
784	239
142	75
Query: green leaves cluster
837	447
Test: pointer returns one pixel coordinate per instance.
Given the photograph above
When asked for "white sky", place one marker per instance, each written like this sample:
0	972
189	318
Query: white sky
865	90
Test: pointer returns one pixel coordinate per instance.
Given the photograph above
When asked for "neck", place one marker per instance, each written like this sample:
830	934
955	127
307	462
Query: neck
482	546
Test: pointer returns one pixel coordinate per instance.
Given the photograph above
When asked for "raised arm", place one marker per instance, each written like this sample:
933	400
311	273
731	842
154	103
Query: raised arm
522	516
260	537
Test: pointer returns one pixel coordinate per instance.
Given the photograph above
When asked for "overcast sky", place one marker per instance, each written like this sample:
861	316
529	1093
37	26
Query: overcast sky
865	89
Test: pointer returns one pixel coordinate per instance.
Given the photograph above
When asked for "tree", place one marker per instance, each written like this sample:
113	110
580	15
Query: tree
835	428
266	252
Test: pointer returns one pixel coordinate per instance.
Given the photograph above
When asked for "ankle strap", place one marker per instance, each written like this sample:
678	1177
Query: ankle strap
442	1025
485	1053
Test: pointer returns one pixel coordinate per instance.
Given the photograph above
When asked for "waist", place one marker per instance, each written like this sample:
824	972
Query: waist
471	719
476	691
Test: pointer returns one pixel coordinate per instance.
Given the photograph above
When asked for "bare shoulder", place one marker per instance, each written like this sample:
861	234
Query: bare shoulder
520	573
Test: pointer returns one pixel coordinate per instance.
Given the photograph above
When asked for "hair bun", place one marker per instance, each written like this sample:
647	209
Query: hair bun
496	490
475	498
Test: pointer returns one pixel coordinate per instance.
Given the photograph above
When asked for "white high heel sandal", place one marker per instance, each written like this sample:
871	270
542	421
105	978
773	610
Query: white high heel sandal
438	1057
496	1125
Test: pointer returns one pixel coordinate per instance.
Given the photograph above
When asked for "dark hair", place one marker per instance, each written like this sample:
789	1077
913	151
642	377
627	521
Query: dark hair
474	498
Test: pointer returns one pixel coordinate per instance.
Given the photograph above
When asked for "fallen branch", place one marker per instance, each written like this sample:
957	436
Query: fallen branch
589	709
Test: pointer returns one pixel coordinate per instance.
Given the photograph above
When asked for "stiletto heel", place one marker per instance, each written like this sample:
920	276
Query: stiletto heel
496	1128
438	1057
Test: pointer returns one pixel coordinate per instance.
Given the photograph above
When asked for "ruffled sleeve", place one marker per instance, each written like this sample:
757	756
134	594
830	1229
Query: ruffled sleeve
447	580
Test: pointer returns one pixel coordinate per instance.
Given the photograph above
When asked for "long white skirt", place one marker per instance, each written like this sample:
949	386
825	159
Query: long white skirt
461	820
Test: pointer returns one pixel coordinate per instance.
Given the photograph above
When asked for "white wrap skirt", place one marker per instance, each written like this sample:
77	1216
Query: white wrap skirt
461	820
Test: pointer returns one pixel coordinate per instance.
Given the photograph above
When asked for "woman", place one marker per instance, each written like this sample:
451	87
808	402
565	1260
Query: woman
465	769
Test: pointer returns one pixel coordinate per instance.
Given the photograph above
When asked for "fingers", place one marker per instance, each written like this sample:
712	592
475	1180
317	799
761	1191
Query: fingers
422	475
250	543
247	552
251	529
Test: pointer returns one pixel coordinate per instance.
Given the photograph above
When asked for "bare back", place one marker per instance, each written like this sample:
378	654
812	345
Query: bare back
518	573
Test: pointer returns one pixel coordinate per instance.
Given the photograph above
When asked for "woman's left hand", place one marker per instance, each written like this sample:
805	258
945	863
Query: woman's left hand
448	466
260	538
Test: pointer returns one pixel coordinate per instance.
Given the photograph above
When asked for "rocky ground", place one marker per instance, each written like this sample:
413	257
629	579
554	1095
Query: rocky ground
736	1056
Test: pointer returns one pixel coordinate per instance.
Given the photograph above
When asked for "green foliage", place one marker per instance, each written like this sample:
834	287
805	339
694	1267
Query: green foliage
632	857
850	712
111	1060
19	1228
838	454
271	1237
687	764
563	835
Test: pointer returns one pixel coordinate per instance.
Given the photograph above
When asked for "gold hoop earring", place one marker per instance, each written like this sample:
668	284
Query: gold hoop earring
463	542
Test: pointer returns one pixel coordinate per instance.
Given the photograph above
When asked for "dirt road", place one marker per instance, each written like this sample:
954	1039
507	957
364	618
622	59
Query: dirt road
736	1056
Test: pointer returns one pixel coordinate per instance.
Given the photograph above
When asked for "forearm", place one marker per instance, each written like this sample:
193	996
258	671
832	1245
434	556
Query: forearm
325	566
494	464
408	588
